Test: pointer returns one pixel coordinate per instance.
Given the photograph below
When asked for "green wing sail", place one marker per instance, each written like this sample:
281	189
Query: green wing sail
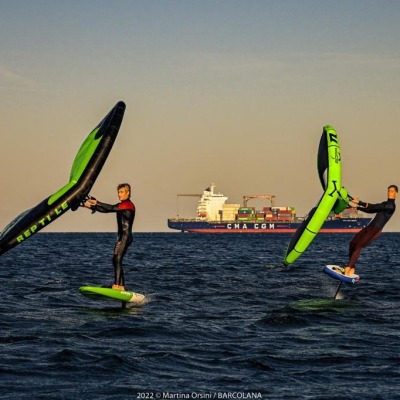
334	199
84	172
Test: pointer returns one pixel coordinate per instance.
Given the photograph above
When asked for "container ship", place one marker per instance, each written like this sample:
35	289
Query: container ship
214	215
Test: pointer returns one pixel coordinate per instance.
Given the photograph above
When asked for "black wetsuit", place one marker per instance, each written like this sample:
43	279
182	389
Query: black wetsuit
371	232
125	216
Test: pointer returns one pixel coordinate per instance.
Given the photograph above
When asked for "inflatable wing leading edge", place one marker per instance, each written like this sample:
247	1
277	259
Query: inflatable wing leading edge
84	172
335	198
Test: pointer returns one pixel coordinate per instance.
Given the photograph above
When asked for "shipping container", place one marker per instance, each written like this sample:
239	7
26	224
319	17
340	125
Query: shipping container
233	206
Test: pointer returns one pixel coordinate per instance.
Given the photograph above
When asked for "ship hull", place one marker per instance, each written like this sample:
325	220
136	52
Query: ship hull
330	226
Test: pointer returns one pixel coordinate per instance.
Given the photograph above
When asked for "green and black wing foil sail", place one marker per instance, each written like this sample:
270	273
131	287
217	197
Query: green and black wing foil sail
334	199
85	169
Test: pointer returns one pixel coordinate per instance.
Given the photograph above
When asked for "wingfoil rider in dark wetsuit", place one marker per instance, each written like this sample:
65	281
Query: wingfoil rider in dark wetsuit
373	230
125	211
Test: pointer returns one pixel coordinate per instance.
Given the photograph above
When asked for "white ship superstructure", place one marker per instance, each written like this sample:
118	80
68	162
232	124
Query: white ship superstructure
210	205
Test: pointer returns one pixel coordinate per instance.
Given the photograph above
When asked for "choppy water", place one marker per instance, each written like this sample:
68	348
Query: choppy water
224	320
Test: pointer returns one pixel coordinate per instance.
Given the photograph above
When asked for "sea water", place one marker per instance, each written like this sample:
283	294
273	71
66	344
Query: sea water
224	320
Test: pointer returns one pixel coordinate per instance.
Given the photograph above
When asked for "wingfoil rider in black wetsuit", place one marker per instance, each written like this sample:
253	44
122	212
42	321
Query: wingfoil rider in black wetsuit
125	211
373	230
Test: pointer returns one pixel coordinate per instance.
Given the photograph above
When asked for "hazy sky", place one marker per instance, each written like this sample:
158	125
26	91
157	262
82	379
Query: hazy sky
230	92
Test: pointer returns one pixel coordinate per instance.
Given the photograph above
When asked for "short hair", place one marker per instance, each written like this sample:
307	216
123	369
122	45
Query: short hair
126	186
391	186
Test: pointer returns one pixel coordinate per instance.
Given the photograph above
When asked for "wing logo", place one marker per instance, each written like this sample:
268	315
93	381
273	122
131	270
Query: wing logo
43	222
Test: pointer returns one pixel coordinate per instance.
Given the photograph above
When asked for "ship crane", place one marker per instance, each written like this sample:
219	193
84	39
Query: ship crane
184	195
248	197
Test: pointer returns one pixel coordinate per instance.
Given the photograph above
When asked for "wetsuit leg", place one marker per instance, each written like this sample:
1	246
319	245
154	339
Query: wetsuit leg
119	252
361	240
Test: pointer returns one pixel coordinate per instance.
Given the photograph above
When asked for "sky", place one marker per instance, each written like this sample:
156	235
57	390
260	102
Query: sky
229	92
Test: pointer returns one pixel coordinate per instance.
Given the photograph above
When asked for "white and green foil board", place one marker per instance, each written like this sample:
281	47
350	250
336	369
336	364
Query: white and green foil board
101	293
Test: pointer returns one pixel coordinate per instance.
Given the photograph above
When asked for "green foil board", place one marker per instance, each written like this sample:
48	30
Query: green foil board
100	293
